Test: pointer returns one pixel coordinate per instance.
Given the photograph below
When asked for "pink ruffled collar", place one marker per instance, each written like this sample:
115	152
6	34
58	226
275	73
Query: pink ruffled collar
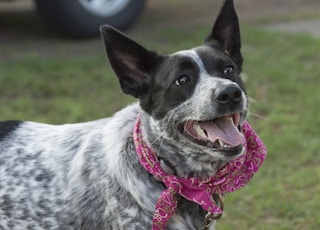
231	177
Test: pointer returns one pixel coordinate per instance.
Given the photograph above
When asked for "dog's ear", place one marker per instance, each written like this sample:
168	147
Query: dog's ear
226	33
131	62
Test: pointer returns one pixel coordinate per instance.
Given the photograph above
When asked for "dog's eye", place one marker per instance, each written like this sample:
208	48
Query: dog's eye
228	71
182	79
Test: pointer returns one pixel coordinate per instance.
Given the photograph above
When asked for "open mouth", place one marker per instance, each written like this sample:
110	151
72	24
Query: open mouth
222	133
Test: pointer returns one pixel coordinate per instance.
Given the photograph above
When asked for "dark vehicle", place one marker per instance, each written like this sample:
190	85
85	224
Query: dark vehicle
82	18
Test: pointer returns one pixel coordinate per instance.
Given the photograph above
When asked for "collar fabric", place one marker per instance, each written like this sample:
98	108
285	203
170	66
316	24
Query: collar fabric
231	177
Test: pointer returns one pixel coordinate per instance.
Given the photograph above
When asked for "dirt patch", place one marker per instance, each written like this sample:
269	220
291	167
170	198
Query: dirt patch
311	27
258	8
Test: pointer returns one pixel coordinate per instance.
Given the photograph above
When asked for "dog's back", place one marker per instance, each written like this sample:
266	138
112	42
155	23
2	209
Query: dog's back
55	176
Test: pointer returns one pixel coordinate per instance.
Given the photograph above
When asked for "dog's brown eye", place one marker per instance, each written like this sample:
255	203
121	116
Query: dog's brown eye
182	79
228	71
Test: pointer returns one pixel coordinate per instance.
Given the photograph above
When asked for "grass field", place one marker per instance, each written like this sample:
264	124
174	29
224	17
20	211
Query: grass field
66	81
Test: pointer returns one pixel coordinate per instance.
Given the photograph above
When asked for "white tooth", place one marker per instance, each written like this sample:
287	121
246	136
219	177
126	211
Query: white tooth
236	119
199	130
221	143
231	118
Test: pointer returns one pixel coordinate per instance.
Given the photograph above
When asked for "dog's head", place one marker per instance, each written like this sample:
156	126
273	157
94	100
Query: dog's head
195	98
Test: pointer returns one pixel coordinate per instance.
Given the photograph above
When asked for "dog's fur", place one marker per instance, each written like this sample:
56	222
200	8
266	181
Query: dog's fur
87	176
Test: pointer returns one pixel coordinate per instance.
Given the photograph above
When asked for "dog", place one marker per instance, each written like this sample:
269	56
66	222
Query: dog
191	108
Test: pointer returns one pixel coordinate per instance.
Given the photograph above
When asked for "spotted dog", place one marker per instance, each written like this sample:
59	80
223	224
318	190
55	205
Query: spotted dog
192	105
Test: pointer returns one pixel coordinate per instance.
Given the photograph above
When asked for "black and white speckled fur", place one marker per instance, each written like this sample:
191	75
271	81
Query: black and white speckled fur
87	176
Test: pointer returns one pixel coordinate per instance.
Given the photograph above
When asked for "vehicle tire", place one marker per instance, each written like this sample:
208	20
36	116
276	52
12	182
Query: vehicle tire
82	18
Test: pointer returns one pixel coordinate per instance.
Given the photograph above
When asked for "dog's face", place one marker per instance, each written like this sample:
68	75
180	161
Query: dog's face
196	98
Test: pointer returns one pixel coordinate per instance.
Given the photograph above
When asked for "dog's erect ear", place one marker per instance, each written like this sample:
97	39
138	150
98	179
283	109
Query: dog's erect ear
131	62
226	32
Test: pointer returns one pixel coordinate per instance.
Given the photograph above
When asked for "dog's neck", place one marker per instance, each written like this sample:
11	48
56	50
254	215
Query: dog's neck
248	163
233	176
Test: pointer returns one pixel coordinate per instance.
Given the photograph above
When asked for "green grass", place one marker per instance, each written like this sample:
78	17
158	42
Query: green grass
283	74
70	82
58	90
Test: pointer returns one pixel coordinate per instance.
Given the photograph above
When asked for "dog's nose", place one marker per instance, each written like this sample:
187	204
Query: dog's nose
228	94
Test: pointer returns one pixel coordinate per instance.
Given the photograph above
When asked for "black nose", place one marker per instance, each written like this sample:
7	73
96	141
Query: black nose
228	94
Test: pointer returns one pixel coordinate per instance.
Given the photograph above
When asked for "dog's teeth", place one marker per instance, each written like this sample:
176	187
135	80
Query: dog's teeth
200	131
221	143
236	119
231	118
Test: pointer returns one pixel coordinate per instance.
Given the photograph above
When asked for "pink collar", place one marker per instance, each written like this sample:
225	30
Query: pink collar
231	177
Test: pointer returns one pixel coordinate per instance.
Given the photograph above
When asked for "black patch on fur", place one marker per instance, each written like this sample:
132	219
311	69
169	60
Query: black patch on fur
215	61
164	94
7	127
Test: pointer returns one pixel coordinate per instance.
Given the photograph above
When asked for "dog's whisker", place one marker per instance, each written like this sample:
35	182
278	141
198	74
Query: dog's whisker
252	100
258	116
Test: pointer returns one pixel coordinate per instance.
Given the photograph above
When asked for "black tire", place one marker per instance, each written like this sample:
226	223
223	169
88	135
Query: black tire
72	19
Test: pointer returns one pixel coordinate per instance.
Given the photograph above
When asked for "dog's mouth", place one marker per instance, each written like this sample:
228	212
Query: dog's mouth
222	134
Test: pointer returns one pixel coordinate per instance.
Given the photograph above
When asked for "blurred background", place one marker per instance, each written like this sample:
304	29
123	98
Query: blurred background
49	73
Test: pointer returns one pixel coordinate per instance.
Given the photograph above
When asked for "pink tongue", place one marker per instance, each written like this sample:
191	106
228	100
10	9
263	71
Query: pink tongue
223	129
